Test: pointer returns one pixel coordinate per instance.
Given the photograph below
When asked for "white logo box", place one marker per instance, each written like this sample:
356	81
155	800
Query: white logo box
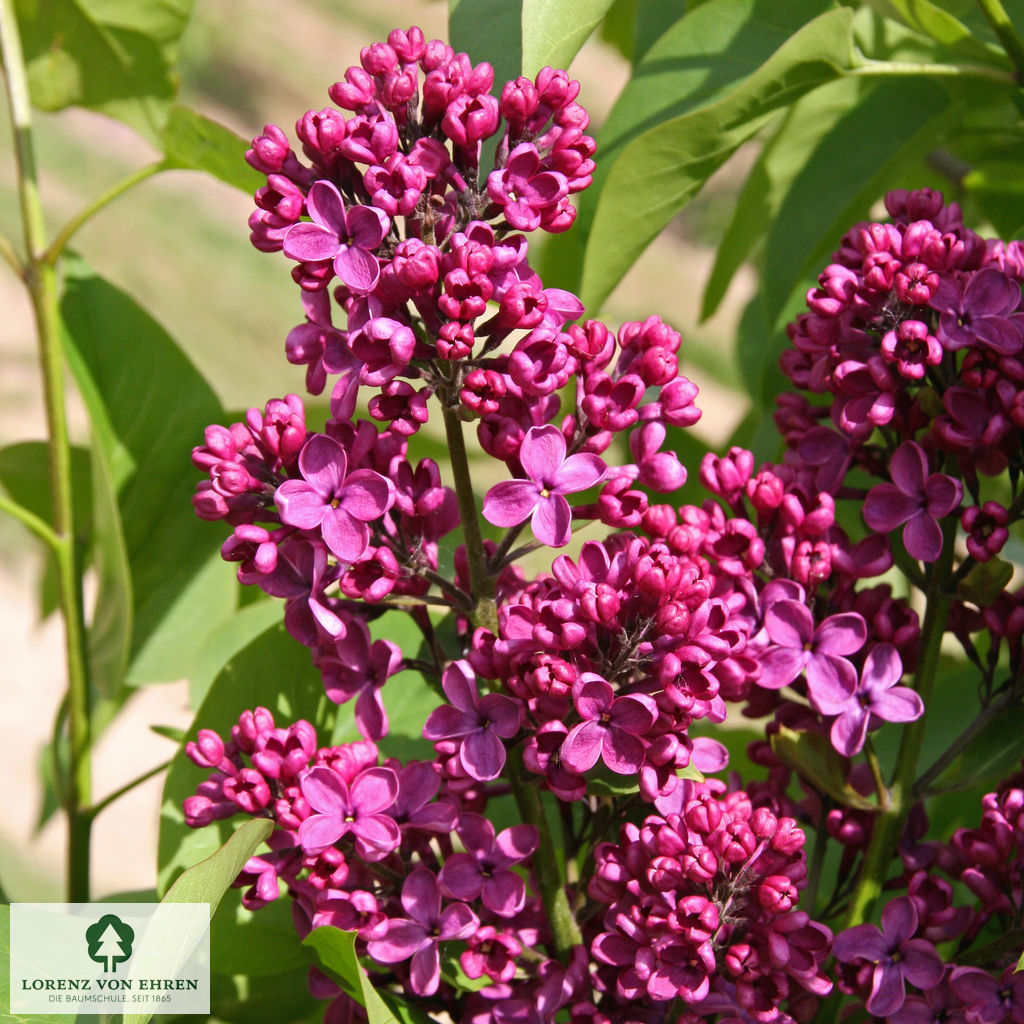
110	957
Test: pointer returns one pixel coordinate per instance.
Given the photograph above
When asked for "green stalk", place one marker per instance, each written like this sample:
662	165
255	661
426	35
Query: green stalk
65	234
996	16
889	823
565	931
485	610
41	279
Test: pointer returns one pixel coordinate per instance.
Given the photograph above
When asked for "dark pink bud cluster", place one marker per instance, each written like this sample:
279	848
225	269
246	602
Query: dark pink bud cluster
702	906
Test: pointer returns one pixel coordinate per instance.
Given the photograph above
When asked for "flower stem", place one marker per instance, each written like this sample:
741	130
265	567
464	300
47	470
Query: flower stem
889	823
485	611
59	244
41	280
565	932
999	20
127	788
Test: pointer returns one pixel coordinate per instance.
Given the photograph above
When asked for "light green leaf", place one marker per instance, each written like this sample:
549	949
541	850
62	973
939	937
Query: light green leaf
554	31
207	881
657	173
985	582
337	952
834	184
263	999
272	671
697	61
148	405
226	641
812	756
519	37
114	56
195	142
954	36
5	982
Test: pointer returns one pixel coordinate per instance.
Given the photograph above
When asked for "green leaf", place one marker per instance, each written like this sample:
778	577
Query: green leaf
519	37
985	582
25	478
110	631
336	950
195	142
954	37
148	405
657	173
990	756
812	756
5	981
694	63
489	30
1020	965
273	671
226	641
554	31
263	999
257	943
113	56
207	881
835	184
653	21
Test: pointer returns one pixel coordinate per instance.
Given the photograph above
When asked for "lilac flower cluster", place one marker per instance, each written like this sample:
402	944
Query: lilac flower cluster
581	688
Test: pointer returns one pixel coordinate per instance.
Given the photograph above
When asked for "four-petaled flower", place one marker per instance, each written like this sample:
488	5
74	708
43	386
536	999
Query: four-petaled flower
347	238
419	935
819	652
524	190
357	808
480	722
328	497
982	310
877	697
916	498
898	958
611	728
551	476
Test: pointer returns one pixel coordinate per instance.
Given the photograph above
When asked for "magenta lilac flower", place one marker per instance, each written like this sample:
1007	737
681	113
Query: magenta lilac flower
541	497
915	497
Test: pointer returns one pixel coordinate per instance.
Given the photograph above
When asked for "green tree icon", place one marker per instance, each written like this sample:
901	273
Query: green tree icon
110	942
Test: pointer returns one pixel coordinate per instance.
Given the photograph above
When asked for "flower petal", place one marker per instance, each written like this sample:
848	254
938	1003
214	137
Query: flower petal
511	502
326	207
373	790
542	454
578	472
551	522
367	495
922	537
325	791
358	268
310	243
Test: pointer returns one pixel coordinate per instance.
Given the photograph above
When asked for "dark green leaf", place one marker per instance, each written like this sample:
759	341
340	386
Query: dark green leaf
998	189
990	756
653	21
264	999
110	631
148	405
835	184
114	56
256	943
194	142
618	29
169	732
272	671
657	173
693	63
489	30
812	756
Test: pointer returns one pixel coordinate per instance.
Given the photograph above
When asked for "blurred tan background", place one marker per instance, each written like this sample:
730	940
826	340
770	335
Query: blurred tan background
179	245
